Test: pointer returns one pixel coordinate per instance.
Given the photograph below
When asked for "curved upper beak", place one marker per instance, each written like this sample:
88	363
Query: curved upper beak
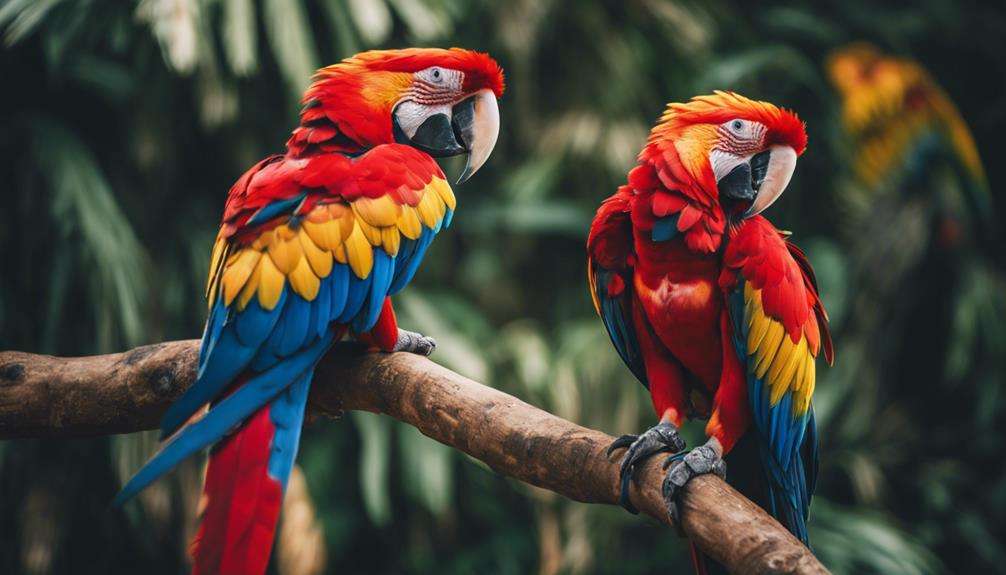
470	126
477	122
760	180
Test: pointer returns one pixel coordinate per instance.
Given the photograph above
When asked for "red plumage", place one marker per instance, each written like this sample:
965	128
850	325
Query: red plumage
343	151
241	503
699	296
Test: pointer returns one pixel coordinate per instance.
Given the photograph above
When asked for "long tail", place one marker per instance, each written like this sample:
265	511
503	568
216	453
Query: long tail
244	486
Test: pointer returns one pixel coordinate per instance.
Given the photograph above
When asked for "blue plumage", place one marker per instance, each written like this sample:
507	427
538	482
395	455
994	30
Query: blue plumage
226	414
410	263
221	361
665	228
618	321
287	415
338	282
296	320
357	294
254	324
321	312
379	284
274	209
784	440
276	350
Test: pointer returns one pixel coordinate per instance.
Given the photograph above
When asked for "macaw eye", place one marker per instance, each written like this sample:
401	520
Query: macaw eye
435	73
737	126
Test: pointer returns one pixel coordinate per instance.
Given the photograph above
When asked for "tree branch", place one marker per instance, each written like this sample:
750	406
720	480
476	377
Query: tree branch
44	396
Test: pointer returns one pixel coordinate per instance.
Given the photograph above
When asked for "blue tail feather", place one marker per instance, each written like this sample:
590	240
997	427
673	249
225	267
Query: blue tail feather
287	415
226	414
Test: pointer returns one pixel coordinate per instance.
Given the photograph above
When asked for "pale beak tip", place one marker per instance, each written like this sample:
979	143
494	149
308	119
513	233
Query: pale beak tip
466	173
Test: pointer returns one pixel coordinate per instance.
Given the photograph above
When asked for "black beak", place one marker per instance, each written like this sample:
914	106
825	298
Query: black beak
743	182
472	127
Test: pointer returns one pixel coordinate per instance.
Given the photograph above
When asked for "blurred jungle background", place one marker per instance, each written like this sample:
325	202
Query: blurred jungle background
123	125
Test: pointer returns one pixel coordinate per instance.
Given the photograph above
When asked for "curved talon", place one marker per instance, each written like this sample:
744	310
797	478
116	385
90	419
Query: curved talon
662	437
412	342
682	468
623	441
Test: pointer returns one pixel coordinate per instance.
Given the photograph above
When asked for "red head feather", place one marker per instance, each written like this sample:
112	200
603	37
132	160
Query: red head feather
675	163
784	126
349	105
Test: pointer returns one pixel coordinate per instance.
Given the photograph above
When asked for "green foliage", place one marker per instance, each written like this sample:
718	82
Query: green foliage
125	124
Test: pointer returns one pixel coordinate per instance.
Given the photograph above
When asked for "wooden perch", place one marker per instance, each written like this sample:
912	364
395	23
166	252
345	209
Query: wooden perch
44	396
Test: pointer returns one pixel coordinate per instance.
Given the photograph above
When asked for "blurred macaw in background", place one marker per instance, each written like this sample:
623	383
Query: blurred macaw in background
312	245
711	307
917	214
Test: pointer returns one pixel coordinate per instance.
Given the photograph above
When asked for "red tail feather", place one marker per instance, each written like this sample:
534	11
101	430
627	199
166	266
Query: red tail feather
242	503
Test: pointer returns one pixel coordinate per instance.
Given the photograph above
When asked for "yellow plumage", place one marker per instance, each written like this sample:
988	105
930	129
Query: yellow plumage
251	286
326	234
303	281
320	260
390	239
239	268
216	263
445	192
333	233
378	212
284	249
767	349
270	285
430	209
782	365
409	224
359	253
373	234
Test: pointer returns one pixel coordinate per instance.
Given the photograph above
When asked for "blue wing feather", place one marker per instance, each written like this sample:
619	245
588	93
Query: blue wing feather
618	321
784	439
226	414
275	209
406	266
356	295
296	320
339	292
379	284
279	347
665	228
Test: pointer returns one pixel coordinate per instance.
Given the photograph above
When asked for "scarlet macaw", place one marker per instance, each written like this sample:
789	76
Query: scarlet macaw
918	206
710	306
312	245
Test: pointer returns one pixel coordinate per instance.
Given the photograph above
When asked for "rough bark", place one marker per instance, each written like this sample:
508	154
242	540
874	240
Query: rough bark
44	396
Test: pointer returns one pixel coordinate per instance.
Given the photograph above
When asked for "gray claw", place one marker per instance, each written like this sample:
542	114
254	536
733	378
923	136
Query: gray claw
699	461
662	437
417	343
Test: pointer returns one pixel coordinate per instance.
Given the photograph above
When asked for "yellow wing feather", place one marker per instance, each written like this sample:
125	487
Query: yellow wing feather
783	365
302	253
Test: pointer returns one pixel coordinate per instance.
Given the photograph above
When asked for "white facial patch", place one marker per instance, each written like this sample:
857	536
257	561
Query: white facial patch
411	114
723	162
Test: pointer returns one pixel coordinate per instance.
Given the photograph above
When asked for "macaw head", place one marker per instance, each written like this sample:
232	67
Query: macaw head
438	100
732	152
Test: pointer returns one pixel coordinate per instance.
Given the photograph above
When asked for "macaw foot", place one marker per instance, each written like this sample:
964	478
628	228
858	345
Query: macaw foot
682	467
412	342
662	437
